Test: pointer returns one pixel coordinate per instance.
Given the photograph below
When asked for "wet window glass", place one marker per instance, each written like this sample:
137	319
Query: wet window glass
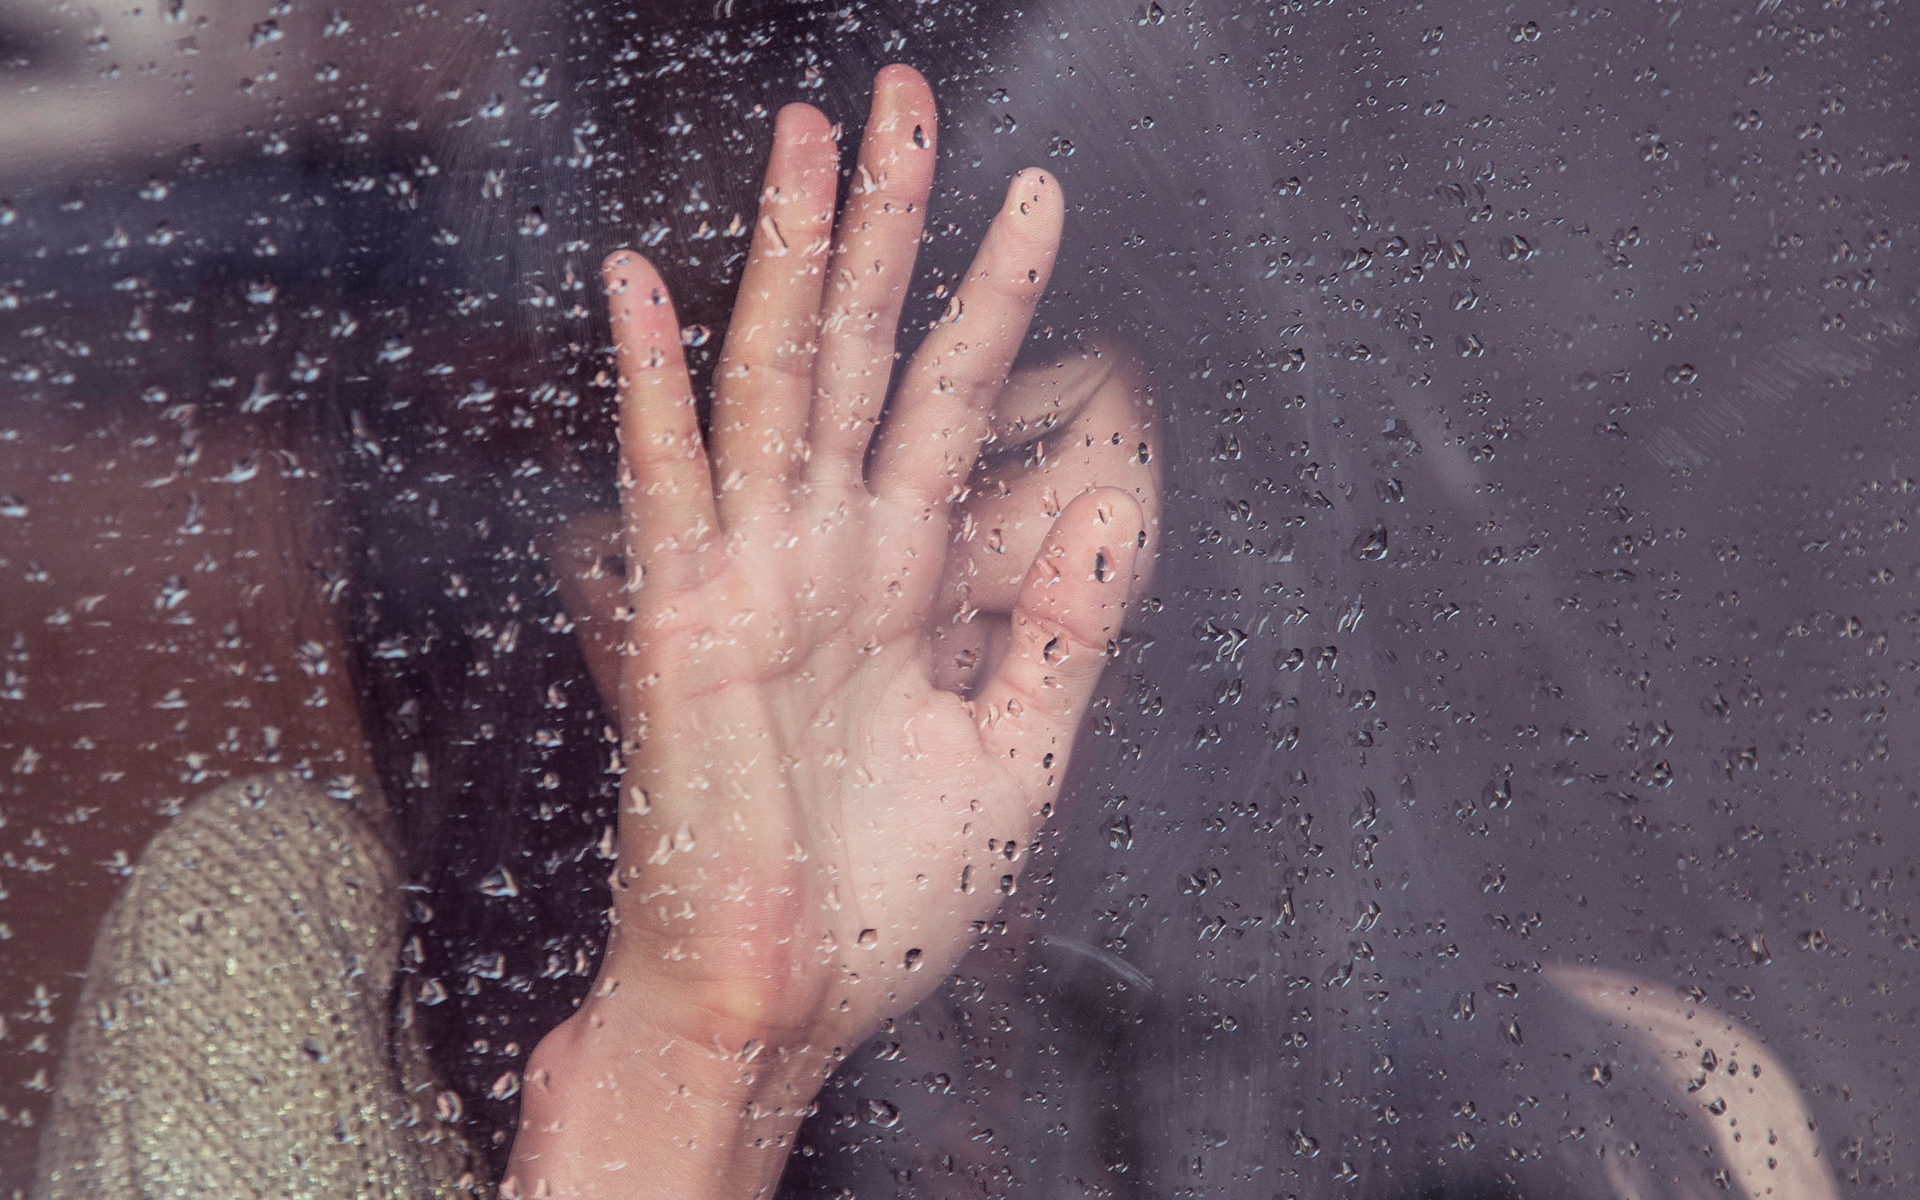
883	597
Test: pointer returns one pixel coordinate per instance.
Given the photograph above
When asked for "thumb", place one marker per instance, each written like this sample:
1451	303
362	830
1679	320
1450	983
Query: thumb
1070	608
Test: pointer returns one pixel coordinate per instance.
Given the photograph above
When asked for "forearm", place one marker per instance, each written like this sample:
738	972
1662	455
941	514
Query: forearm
615	1108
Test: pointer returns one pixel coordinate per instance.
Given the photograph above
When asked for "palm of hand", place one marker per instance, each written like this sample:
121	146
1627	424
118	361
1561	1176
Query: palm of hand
850	808
811	827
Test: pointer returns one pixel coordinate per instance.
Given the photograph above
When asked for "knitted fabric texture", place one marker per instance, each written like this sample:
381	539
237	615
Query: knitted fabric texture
237	1035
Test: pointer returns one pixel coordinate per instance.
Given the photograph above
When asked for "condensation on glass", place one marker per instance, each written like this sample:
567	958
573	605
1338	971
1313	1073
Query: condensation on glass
1509	787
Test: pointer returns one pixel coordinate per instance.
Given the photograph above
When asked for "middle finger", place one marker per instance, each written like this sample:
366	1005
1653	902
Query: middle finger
764	386
867	281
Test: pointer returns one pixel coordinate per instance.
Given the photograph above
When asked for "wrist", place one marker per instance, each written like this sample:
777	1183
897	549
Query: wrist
617	1103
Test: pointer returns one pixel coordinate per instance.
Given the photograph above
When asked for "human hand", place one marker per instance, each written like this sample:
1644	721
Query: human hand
814	815
1077	422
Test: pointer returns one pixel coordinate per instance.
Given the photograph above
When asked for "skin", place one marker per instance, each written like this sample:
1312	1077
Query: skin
844	717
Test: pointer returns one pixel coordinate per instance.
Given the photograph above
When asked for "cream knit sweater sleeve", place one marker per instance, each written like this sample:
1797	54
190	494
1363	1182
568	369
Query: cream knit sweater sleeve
236	1035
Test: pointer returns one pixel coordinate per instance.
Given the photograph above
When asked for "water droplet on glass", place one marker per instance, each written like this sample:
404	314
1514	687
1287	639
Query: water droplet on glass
1371	546
499	883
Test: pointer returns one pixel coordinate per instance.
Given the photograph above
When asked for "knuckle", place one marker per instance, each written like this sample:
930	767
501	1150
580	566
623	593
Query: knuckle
1058	647
662	454
784	360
